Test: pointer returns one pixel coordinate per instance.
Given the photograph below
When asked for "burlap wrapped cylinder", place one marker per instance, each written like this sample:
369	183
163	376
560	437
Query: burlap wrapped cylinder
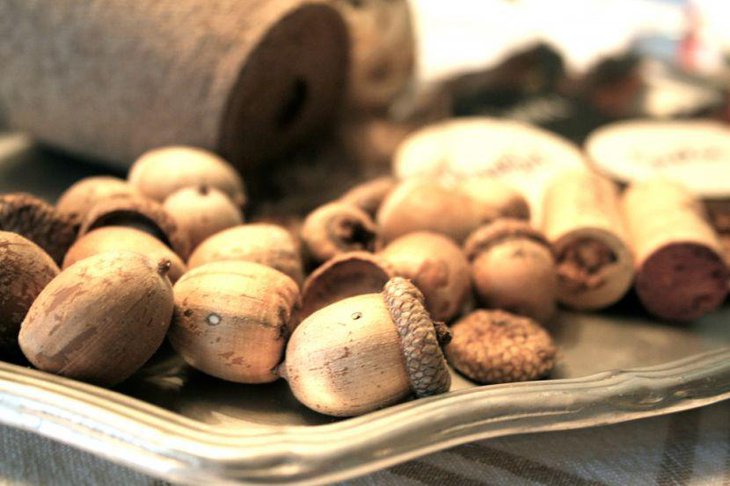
113	78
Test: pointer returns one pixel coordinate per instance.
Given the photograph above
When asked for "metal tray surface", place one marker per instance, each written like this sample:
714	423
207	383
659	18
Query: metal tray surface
176	423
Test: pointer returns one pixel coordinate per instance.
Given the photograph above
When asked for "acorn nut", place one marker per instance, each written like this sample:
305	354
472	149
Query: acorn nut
367	352
160	172
25	269
336	228
38	221
369	195
100	319
437	266
453	209
202	211
513	268
120	238
141	213
498	347
232	319
264	243
81	196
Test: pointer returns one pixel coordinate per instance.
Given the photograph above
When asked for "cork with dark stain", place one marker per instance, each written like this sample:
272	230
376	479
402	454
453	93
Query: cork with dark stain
681	274
38	221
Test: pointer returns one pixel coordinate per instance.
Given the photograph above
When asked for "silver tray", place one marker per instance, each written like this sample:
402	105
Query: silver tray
175	423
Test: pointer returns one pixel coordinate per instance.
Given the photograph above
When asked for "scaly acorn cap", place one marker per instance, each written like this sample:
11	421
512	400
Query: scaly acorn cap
141	213
489	235
494	346
38	221
421	338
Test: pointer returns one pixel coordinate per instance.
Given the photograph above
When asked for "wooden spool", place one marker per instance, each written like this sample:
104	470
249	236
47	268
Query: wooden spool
111	79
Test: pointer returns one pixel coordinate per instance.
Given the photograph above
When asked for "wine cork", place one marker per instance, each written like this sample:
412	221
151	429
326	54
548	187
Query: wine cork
680	272
111	79
582	221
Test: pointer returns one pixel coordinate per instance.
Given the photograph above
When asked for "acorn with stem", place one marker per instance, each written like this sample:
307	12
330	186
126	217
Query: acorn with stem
367	352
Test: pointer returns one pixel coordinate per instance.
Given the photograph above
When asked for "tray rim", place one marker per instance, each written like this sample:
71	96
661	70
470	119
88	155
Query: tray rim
165	444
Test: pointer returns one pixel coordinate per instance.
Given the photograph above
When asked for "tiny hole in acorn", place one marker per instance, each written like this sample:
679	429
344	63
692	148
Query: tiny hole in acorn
357	315
213	319
294	104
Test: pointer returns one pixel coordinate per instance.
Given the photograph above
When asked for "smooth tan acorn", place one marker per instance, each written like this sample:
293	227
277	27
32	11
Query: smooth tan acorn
202	211
101	319
336	228
367	352
342	276
141	213
437	266
493	346
38	221
120	238
268	244
162	171
81	196
513	268
25	269
453	209
232	319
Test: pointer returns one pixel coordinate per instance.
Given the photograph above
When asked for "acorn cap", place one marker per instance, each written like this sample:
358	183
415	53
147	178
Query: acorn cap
494	346
39	222
342	276
487	236
141	213
421	338
336	228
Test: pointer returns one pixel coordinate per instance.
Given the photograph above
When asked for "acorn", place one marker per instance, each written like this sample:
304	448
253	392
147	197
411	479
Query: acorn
369	195
25	269
162	171
513	268
81	196
120	238
141	213
453	209
38	221
100	319
437	266
498	347
336	228
264	243
342	276
367	352
202	211
232	319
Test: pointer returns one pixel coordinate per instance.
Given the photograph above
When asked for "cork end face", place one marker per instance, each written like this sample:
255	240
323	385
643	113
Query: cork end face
424	359
343	276
498	231
286	90
682	281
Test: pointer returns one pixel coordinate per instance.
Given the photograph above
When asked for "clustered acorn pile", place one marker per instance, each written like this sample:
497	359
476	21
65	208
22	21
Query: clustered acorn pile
166	253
